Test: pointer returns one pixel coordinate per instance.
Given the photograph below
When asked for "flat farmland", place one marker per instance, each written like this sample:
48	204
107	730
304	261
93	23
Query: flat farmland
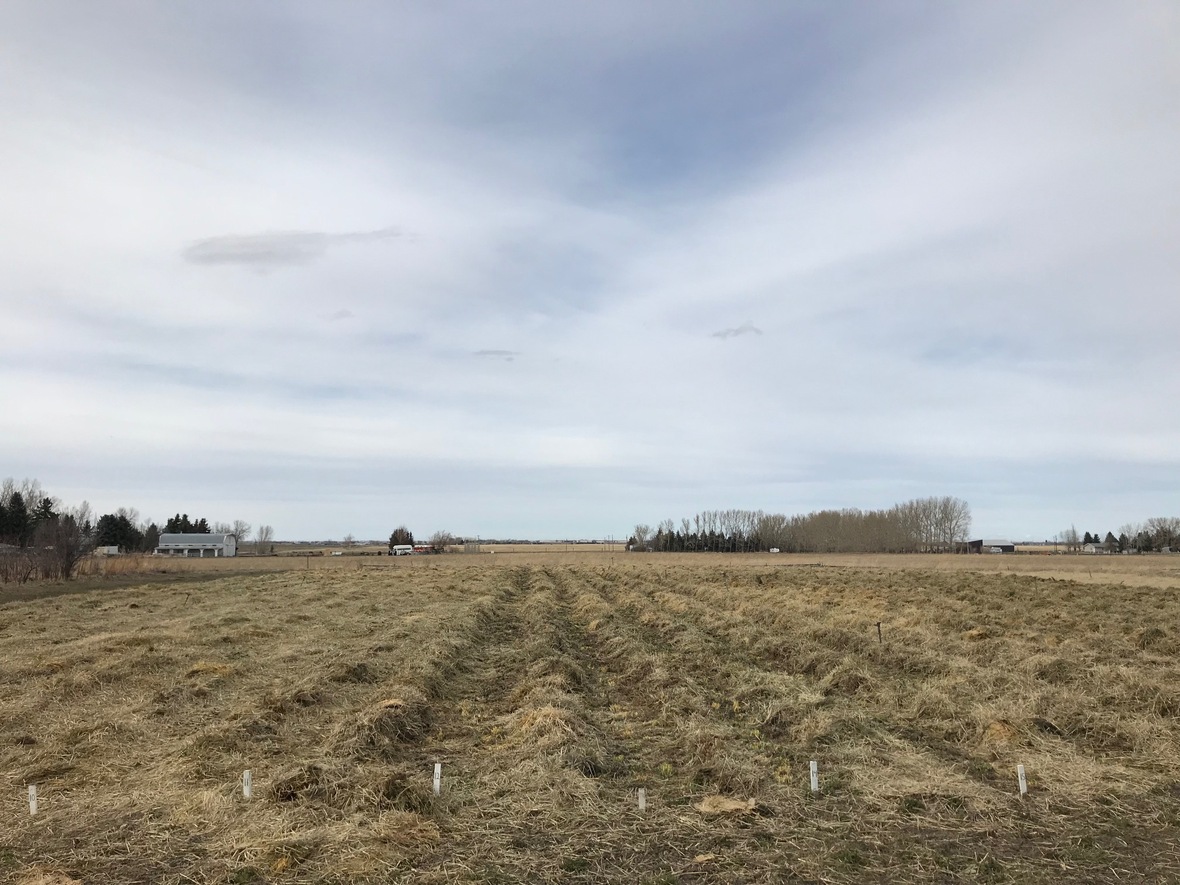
553	686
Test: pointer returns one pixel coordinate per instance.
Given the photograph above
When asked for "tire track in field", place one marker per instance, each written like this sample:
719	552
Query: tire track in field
681	746
547	764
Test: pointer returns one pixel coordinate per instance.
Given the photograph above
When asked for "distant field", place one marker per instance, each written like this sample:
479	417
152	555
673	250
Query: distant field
552	685
1153	570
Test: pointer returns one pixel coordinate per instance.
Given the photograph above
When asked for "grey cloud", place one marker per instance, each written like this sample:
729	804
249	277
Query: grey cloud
506	355
277	248
743	329
343	314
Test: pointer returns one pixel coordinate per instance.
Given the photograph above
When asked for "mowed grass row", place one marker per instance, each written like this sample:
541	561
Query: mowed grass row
551	692
923	730
136	711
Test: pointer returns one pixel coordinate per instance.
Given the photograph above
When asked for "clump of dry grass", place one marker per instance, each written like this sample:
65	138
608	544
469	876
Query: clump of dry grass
383	728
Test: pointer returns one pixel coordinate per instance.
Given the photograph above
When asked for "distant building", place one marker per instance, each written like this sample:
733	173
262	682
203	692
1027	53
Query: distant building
107	550
197	544
990	545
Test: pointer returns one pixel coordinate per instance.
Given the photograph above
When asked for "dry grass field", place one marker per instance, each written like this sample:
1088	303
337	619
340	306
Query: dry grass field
552	686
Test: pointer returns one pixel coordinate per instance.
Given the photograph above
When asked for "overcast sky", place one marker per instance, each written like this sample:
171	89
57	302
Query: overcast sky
545	269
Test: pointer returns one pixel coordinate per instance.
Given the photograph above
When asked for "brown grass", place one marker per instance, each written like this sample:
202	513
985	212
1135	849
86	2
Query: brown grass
552	686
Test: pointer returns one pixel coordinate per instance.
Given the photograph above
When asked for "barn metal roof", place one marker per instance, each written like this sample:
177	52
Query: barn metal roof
193	539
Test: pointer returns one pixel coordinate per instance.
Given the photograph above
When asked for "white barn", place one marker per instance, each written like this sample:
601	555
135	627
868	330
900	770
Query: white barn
197	544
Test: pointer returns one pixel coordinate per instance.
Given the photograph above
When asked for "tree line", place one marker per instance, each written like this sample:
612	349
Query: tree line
923	525
41	537
38	536
1149	536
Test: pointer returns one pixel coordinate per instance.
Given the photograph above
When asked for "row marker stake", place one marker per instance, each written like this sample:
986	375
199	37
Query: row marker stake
642	799
815	777
1021	780
32	798
438	778
247	784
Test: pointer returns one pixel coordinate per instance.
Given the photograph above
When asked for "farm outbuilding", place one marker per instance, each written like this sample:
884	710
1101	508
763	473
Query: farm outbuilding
197	544
990	545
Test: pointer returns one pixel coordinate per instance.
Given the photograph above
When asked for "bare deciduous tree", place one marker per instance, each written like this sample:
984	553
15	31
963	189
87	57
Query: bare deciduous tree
641	534
61	544
1164	531
441	540
263	538
1070	539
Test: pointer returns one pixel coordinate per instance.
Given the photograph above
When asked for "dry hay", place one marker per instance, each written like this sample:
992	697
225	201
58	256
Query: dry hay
46	877
552	689
716	804
385	727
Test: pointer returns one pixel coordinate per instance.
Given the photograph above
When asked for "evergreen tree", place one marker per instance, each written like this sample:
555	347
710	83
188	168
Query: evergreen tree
44	511
20	523
181	524
116	530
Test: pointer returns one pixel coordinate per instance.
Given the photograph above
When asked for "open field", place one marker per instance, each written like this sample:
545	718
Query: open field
553	685
1150	570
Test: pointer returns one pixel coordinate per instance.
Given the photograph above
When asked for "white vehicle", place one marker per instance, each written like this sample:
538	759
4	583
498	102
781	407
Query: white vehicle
402	549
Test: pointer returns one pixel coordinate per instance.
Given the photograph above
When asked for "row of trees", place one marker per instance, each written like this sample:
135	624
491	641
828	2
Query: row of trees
39	537
924	525
125	530
1157	533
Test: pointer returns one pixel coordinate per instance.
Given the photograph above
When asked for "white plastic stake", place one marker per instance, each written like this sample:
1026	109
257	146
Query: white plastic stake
438	778
247	784
1021	780
32	798
814	776
642	799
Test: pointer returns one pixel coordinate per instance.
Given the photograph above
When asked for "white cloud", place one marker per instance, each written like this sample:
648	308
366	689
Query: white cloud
956	255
